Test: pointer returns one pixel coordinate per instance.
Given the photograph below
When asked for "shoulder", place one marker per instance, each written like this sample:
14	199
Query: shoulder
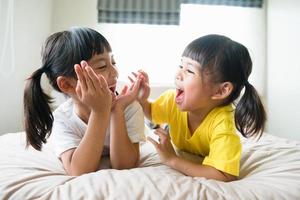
167	97
222	113
64	111
221	120
169	94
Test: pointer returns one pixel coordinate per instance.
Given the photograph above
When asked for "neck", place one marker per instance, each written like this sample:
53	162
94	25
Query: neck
196	117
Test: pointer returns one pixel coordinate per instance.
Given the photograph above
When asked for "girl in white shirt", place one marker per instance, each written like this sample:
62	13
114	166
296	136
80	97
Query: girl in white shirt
94	121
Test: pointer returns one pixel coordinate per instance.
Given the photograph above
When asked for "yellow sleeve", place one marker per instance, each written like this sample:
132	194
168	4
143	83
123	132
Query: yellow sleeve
225	153
161	107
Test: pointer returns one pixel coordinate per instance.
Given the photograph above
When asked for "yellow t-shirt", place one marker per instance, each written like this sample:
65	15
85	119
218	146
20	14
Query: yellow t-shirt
215	138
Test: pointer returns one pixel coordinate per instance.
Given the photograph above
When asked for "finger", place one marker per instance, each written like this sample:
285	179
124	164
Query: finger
155	144
83	63
161	134
80	76
124	90
103	83
88	80
93	76
134	74
78	89
145	75
136	86
131	80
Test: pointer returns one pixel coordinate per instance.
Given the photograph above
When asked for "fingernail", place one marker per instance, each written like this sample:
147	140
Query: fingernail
83	63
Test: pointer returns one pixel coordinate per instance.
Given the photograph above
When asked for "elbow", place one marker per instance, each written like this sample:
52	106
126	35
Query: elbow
124	165
77	171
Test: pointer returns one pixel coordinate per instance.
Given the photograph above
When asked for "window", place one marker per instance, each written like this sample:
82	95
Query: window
157	48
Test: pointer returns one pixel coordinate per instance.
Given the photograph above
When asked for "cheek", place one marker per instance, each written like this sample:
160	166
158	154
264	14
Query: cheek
194	90
104	74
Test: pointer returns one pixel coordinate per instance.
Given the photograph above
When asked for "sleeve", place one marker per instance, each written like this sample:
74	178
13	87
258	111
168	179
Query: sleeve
225	153
134	117
162	106
63	138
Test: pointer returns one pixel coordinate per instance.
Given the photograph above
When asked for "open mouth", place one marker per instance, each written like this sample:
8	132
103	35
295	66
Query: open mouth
112	89
179	96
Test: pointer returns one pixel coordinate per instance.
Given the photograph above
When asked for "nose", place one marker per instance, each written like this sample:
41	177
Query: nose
114	72
179	76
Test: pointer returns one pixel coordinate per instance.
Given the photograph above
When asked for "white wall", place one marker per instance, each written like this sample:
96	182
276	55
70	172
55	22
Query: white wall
283	86
32	24
67	13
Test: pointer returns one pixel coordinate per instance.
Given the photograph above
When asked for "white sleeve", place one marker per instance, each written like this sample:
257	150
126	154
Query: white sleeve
134	117
63	138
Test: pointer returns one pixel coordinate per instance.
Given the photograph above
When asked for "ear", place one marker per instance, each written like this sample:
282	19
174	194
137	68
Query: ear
223	90
66	85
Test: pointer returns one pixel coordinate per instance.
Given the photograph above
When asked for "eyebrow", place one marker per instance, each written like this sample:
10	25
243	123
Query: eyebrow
188	63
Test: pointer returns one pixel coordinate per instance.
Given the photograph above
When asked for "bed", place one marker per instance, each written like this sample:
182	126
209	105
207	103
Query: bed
270	169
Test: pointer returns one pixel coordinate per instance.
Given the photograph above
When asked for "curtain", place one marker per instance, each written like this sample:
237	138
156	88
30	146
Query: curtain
240	3
166	12
139	11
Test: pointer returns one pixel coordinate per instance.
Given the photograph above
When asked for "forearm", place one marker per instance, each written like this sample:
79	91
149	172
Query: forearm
198	170
86	157
123	153
147	109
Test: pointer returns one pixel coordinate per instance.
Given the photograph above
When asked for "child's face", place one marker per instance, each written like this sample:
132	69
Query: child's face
193	90
105	65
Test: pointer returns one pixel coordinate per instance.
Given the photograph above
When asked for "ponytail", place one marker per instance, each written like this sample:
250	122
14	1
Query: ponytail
250	115
37	112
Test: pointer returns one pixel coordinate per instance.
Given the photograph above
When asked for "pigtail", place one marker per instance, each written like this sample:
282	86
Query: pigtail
37	112
250	115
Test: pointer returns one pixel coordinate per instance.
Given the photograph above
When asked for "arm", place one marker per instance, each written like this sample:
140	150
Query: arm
146	105
169	157
123	153
90	88
145	93
86	157
197	170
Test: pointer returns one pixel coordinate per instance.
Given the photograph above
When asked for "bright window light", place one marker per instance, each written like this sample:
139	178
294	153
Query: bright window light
157	49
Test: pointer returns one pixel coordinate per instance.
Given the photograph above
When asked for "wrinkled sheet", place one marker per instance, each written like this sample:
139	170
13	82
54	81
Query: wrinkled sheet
270	169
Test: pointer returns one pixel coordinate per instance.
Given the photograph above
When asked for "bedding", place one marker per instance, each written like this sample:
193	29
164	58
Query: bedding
270	169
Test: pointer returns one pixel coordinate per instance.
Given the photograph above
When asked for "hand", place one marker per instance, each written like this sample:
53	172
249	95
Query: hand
144	89
164	148
92	89
128	95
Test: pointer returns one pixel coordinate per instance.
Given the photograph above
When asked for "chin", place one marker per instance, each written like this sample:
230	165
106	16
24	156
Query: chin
182	107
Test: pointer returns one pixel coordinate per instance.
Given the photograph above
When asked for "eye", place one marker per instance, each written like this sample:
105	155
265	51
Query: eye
180	66
100	67
191	72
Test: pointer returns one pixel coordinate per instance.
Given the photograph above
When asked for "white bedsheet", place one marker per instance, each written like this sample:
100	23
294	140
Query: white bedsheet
270	169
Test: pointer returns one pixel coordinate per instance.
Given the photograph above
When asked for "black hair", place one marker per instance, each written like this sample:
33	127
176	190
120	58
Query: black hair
226	60
62	50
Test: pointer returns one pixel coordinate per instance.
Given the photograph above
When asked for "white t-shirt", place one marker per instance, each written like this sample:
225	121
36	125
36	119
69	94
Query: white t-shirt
68	129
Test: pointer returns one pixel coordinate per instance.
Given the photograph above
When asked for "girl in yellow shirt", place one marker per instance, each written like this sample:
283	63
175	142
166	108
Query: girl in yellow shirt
201	113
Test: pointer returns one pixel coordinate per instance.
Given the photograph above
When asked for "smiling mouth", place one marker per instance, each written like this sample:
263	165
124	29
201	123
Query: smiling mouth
179	96
112	88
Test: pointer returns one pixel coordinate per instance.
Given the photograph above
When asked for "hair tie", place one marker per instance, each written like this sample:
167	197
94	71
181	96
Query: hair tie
246	83
38	73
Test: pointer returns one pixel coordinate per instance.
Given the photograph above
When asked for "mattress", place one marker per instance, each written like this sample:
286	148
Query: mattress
270	169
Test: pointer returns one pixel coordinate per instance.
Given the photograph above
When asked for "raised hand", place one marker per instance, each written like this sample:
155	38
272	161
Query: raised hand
144	88
128	94
92	89
164	147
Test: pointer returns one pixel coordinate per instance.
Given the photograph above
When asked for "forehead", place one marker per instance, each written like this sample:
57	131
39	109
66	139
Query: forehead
106	55
189	61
